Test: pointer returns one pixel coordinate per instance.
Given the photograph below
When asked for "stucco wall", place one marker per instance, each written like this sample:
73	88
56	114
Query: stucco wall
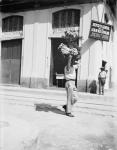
114	56
91	49
94	51
36	46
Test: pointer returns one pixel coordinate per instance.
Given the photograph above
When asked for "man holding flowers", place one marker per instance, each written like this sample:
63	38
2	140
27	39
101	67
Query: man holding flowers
73	55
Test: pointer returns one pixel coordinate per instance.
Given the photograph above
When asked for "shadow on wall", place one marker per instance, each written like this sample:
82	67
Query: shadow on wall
82	85
92	87
89	86
86	45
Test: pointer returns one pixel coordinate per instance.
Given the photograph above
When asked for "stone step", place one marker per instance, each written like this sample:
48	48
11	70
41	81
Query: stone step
59	93
59	97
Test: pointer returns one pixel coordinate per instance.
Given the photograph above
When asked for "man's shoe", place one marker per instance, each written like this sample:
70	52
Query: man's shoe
64	107
69	114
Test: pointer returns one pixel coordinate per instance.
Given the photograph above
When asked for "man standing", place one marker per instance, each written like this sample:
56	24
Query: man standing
102	80
70	77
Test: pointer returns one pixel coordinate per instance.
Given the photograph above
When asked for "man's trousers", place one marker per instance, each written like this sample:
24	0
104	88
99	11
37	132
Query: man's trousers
101	85
71	95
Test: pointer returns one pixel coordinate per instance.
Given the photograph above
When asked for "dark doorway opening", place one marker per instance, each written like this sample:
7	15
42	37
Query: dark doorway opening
58	62
11	61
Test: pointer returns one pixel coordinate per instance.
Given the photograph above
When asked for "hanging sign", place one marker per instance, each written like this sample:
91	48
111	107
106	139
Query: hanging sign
100	31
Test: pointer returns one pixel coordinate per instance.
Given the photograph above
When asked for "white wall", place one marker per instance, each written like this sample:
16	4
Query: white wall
34	43
27	47
91	49
35	39
114	62
0	41
36	46
94	51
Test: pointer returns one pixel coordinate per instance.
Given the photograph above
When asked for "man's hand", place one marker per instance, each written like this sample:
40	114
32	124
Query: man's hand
70	56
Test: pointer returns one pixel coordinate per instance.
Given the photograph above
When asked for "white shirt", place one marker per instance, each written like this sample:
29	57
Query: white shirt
102	74
71	73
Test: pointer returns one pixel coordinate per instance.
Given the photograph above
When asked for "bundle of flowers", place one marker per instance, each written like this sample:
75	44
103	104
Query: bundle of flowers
71	48
74	51
71	35
65	50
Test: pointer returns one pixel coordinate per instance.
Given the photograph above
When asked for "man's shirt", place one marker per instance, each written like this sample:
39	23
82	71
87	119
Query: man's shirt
102	74
71	73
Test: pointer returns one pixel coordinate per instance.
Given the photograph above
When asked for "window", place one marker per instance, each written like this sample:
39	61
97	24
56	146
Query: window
66	18
12	23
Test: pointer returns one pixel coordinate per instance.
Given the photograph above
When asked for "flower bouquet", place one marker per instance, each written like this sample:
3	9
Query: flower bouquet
71	35
71	48
64	49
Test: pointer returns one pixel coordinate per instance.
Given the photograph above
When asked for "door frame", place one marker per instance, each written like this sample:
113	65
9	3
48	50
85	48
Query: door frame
20	59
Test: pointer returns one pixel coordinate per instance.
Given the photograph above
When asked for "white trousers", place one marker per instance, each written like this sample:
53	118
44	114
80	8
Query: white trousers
72	96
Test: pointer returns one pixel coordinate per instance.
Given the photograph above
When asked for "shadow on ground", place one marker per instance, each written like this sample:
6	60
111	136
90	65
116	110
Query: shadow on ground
48	108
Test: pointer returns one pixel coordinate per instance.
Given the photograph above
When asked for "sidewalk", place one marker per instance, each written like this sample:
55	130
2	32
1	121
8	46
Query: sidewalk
108	93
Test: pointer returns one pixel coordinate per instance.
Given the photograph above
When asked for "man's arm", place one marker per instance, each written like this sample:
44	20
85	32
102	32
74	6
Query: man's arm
99	76
69	62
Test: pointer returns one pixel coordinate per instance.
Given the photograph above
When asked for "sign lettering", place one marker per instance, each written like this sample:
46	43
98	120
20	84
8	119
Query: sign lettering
100	31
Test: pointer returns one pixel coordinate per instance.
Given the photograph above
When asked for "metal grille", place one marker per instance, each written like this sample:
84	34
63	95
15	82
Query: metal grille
12	23
66	18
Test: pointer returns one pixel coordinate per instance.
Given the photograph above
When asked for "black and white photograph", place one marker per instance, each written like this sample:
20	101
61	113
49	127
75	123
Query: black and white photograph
58	74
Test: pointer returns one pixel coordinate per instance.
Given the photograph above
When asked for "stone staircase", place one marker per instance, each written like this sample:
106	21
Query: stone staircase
105	105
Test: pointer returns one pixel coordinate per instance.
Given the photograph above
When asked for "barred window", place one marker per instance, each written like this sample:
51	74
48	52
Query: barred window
66	18
12	23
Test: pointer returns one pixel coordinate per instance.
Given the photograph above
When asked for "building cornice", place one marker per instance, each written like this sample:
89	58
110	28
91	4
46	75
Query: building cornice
24	5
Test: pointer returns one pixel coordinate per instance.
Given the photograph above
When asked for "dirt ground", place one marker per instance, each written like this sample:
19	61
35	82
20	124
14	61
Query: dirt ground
45	127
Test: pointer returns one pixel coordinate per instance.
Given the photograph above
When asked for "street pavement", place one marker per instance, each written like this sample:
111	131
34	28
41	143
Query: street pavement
44	126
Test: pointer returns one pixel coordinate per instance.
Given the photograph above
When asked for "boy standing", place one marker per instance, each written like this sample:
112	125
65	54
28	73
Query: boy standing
102	80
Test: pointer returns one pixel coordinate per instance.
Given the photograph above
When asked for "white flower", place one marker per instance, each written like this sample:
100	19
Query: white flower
74	51
64	49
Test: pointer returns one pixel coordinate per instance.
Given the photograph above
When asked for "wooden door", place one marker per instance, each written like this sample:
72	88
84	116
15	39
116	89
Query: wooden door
11	61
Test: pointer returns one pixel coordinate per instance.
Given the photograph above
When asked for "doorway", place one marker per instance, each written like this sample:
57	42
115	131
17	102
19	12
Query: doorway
11	61
58	62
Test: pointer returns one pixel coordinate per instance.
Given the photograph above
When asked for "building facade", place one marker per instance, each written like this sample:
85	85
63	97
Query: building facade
30	38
